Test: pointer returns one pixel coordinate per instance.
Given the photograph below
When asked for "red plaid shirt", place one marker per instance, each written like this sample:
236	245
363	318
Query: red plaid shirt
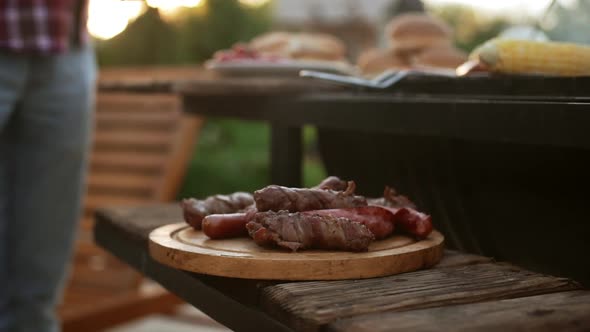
42	26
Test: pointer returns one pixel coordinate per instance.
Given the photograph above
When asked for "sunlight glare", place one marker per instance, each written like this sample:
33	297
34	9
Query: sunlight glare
170	6
108	18
254	3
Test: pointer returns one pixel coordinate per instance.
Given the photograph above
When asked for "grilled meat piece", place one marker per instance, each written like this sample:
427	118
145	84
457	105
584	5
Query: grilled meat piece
223	226
332	183
378	220
405	215
392	199
195	210
278	198
303	231
412	222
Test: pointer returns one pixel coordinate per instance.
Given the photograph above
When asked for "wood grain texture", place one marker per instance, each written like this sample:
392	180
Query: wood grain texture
566	311
309	306
182	247
457	258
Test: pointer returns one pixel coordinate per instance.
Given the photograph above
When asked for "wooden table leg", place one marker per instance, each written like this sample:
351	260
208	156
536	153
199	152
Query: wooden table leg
286	155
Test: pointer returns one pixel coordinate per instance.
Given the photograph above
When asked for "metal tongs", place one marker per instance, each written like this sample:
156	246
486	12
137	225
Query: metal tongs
382	81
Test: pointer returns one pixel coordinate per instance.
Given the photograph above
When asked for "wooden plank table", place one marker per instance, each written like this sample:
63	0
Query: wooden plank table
492	295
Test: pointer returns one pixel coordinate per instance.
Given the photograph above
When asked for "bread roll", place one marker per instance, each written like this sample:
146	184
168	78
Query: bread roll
375	61
448	57
317	46
300	45
414	32
271	43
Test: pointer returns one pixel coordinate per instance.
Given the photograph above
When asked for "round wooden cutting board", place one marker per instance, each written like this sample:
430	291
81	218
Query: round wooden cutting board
179	246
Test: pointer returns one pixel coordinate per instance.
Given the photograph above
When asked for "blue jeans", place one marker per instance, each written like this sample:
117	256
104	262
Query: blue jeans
45	123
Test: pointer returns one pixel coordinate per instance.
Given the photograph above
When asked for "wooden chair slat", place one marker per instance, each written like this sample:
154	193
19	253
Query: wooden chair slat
127	162
103	116
109	182
95	201
130	103
132	140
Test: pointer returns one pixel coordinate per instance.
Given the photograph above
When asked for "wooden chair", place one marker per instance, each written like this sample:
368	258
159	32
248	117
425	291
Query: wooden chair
142	144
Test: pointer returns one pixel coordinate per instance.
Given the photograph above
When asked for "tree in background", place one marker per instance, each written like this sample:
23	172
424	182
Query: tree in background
148	40
189	37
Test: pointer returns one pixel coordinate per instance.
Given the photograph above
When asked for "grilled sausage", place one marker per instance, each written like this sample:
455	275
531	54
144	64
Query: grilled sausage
223	226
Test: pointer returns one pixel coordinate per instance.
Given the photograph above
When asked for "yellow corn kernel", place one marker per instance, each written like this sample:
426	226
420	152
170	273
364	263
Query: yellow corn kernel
533	57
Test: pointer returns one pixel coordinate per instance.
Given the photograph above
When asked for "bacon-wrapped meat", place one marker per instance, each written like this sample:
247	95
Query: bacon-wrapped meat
332	183
303	231
277	198
195	210
378	220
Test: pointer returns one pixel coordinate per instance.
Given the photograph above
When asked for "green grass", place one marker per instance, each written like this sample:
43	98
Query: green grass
234	156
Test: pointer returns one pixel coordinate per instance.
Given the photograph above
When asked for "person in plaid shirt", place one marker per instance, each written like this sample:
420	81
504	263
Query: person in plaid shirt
47	76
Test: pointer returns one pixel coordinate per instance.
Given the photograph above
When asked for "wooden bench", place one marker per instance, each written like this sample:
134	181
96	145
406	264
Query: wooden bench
462	293
142	144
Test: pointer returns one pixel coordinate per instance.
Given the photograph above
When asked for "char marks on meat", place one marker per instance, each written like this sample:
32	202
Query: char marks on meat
380	221
195	210
296	231
278	198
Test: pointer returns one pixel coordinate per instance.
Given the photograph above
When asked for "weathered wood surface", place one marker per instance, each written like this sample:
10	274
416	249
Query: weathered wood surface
566	311
457	258
312	306
308	306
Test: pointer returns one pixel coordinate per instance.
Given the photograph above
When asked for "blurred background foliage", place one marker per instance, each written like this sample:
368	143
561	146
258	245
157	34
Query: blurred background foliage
233	155
188	37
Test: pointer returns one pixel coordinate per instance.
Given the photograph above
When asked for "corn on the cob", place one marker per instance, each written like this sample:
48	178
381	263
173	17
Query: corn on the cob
532	57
